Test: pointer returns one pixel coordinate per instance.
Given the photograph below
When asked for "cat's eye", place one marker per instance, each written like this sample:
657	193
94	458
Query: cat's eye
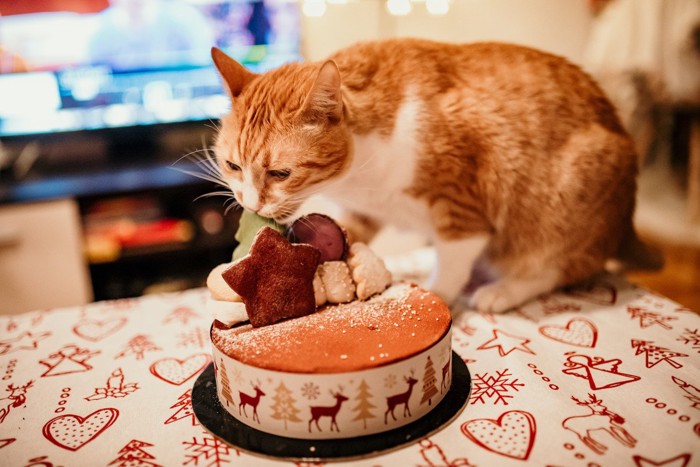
233	167
280	174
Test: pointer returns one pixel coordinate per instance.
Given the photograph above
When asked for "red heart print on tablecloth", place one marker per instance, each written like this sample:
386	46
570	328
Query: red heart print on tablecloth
95	330
600	293
72	432
577	331
176	371
512	435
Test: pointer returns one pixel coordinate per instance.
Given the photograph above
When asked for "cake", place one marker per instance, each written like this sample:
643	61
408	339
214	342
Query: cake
371	356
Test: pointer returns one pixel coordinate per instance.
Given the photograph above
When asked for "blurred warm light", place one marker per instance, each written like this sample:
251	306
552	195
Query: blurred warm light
437	7
399	7
314	8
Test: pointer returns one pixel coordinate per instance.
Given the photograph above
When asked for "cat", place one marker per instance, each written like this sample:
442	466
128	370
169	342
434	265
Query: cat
511	160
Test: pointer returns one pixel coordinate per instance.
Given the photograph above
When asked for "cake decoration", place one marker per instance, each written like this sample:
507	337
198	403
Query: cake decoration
326	326
275	278
322	232
390	355
368	271
337	282
249	225
218	287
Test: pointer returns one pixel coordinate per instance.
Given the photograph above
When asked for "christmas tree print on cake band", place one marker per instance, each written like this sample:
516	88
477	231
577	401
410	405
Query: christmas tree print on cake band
600	373
251	400
429	381
284	406
600	419
72	432
225	384
512	435
328	411
364	405
334	405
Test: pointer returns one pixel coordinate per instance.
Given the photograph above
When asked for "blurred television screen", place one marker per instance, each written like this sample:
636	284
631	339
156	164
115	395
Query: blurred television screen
73	65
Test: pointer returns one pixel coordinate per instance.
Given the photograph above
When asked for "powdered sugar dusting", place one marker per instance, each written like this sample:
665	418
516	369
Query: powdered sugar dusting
348	337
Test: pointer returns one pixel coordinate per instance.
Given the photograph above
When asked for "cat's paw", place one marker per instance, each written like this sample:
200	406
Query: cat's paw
505	294
492	298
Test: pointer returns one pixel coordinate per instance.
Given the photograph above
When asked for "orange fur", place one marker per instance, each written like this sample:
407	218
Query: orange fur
512	144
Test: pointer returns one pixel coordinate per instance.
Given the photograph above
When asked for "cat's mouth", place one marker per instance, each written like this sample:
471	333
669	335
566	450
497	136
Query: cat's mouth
286	219
282	215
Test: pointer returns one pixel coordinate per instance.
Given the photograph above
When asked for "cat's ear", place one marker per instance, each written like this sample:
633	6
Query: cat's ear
325	101
235	75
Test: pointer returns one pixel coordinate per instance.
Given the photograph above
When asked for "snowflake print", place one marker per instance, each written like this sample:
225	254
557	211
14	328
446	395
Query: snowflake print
390	381
494	387
310	391
691	337
237	376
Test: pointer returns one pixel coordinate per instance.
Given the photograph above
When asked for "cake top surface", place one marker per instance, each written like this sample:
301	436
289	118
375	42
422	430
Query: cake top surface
399	323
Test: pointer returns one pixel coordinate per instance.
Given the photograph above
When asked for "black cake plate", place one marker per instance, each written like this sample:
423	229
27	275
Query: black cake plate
221	424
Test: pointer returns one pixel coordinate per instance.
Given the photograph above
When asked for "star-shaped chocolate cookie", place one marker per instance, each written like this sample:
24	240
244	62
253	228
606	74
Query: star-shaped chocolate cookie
275	279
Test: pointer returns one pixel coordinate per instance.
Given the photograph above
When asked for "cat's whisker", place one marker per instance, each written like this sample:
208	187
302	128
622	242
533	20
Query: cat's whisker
213	194
232	205
203	176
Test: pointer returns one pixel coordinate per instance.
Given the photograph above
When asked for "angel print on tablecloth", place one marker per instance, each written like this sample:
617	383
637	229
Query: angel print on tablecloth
600	373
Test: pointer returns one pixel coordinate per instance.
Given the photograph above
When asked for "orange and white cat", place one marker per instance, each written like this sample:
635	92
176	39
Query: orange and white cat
504	156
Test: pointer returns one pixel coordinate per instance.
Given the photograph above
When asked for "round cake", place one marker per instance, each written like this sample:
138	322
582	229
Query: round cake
347	370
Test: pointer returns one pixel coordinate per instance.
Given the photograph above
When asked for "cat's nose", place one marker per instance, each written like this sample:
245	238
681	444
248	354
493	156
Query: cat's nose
250	200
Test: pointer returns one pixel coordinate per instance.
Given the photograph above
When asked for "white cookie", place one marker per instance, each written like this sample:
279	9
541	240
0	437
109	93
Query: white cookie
227	312
368	271
337	281
319	290
218	287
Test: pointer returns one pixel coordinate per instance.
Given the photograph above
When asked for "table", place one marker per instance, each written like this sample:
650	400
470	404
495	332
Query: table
602	374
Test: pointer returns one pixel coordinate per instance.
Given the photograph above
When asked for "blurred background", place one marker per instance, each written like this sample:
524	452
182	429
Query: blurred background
107	107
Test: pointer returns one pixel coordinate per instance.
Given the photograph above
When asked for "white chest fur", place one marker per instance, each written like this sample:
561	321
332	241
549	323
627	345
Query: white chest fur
382	169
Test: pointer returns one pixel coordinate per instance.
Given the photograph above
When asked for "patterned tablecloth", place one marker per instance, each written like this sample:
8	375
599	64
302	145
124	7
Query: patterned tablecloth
607	374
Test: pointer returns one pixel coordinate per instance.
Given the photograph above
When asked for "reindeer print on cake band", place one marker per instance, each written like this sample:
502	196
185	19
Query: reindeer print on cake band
328	411
251	400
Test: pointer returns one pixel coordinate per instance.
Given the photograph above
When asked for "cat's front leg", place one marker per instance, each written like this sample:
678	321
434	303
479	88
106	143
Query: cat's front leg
455	260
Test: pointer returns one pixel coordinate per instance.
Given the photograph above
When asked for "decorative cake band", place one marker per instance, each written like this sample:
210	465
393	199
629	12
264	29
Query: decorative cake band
335	405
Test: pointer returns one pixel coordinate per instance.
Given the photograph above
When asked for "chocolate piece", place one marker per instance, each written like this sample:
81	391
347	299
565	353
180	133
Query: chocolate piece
249	225
275	280
322	232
